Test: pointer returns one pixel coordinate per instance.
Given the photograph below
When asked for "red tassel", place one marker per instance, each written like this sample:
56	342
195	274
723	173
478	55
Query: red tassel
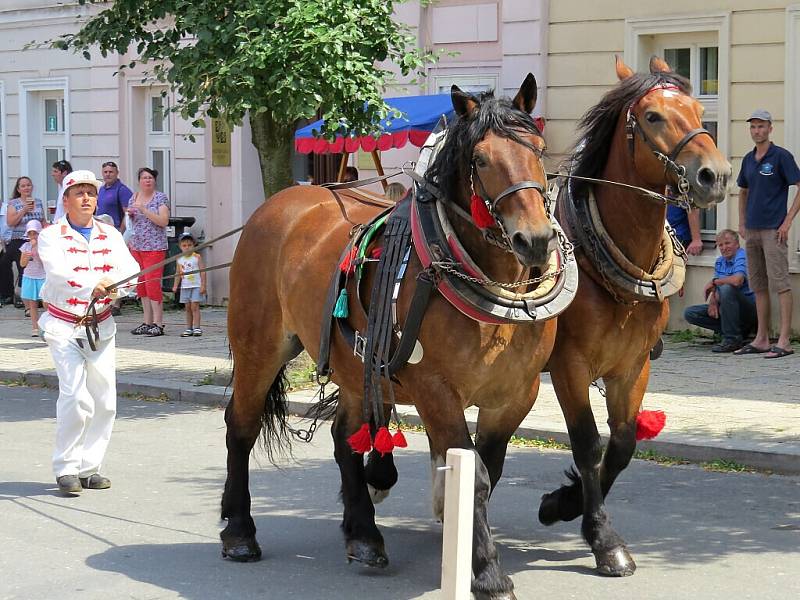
480	214
649	424
383	441
399	439
360	441
348	264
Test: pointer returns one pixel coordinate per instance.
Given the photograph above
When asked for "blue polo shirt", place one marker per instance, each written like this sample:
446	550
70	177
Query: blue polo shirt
678	219
112	201
767	182
738	264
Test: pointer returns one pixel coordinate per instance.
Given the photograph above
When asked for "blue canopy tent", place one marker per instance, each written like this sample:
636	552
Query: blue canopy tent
420	116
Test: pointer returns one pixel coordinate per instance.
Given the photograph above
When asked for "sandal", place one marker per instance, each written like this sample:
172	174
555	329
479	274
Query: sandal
778	352
750	349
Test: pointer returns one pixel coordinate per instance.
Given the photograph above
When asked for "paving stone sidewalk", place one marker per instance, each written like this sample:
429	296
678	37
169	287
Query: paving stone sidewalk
743	409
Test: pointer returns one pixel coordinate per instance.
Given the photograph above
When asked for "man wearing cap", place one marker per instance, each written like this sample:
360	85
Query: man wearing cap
764	179
82	257
59	170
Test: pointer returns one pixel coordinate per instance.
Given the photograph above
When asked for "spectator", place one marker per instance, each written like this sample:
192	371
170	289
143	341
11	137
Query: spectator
22	208
730	309
687	227
33	278
149	211
87	395
193	285
60	169
350	174
395	192
114	195
764	179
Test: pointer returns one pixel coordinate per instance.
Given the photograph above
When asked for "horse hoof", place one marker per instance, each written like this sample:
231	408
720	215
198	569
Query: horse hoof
241	550
377	495
616	562
548	509
367	554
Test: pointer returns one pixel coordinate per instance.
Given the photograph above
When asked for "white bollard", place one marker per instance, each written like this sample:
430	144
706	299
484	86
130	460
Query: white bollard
459	498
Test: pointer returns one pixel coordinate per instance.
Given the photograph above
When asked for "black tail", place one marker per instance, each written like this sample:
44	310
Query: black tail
274	428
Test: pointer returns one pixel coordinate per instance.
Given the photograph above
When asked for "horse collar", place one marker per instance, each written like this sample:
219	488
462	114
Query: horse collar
608	266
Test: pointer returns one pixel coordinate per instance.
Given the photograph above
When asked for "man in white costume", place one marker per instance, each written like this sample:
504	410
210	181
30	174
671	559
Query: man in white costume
82	256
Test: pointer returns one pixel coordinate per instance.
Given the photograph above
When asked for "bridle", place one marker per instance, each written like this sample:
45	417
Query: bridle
492	203
632	126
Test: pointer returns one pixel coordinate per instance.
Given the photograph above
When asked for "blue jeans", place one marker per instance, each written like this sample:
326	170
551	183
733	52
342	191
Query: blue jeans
737	314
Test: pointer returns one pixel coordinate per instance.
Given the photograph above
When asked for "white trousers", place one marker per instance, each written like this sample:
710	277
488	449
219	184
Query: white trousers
87	403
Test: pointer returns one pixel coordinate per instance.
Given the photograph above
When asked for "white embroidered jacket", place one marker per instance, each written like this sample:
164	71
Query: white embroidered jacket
73	269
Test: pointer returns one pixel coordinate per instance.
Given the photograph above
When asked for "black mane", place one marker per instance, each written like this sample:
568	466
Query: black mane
597	126
450	168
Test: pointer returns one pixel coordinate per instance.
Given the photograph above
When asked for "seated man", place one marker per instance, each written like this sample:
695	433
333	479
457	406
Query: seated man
731	308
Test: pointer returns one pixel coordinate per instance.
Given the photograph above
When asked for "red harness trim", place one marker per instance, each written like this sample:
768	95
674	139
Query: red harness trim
74	319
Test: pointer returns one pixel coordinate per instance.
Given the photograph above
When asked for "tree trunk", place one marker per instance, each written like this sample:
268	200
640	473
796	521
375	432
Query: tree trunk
274	142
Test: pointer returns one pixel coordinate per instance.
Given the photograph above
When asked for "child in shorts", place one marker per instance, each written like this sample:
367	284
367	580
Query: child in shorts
33	276
192	284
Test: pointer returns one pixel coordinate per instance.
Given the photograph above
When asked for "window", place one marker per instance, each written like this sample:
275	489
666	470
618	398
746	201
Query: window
700	65
159	117
159	159
468	83
53	115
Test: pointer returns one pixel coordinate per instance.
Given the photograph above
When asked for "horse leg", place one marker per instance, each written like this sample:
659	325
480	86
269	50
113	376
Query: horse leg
447	428
495	428
380	471
363	540
259	384
608	547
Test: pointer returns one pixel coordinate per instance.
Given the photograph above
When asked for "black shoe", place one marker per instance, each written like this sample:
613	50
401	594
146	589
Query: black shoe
155	331
95	482
69	484
727	346
141	329
7	300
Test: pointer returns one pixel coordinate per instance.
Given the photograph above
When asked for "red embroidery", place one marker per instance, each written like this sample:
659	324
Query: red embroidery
74	250
68	237
76	269
74	283
102	251
76	301
104	301
104	268
102	236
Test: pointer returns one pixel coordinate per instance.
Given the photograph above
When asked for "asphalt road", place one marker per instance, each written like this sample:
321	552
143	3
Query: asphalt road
154	534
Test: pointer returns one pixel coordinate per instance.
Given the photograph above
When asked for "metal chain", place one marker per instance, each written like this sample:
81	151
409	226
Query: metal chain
600	389
567	250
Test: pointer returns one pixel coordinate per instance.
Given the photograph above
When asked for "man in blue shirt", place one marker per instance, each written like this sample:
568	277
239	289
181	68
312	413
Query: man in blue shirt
687	227
731	309
766	174
113	197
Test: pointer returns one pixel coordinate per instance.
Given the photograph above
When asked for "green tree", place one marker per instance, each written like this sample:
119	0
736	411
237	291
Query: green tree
272	61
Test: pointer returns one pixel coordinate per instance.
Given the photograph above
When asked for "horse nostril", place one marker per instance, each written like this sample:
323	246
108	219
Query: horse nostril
706	177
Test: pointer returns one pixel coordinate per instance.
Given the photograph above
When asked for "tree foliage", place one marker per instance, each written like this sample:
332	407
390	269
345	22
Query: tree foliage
275	60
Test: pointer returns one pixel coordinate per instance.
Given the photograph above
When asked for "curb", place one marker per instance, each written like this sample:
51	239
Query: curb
299	402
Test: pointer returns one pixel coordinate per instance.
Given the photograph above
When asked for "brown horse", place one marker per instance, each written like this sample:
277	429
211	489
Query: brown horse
645	132
288	251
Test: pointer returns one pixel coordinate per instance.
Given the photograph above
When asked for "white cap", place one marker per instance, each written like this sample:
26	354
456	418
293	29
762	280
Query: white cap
78	177
33	225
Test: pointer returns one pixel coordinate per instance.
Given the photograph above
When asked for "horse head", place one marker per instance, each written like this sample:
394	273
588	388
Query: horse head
493	156
666	137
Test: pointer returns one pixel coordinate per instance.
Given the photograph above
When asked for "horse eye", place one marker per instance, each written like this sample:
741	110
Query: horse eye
652	117
479	161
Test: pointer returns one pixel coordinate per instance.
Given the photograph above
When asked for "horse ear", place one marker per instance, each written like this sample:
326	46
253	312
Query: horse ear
463	102
659	65
623	70
525	99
